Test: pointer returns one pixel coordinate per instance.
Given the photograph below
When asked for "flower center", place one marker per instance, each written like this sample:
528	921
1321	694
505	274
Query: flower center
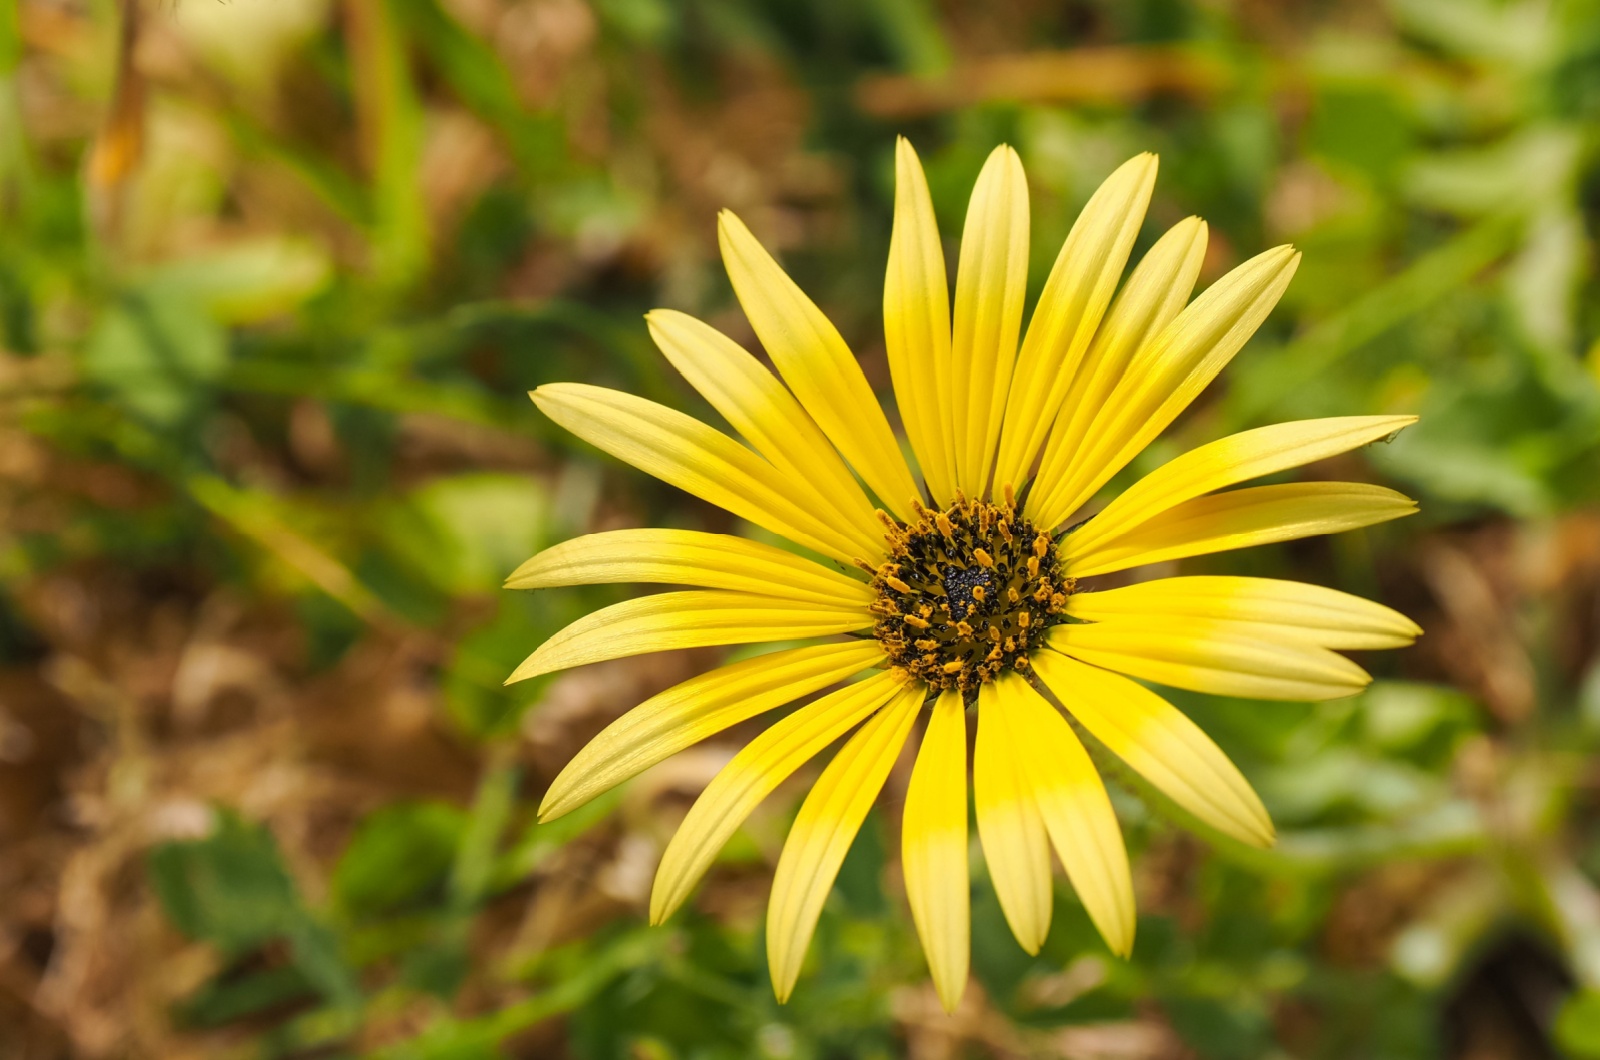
966	593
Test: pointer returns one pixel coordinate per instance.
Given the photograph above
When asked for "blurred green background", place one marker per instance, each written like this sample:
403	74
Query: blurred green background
274	278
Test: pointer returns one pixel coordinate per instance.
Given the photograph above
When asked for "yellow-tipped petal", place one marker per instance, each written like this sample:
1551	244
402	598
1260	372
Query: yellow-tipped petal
823	831
1212	657
1075	809
1168	373
763	411
1259	607
991	279
763	764
684	452
690	619
1155	294
1227	462
814	360
1165	747
687	557
916	323
1243	518
1074	299
1010	829
698	708
934	849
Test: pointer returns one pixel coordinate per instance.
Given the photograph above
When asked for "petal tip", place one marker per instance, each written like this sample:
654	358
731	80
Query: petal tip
950	996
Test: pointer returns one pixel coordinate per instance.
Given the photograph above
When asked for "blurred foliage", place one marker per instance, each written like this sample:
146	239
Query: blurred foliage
274	276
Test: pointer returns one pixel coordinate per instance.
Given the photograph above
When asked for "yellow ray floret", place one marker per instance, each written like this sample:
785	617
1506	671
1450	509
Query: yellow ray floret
684	452
1244	518
916	324
1156	293
934	848
761	409
1228	462
1064	323
1012	833
814	360
823	831
690	619
1165	747
1075	809
991	279
763	764
1256	607
688	557
1161	379
1212	656
696	709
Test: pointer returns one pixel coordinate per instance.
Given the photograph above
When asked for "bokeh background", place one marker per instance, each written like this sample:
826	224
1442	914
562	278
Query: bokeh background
274	278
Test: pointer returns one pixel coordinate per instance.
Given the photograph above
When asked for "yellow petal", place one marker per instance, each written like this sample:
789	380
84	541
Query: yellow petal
991	279
1165	747
1243	518
1068	314
1227	462
1076	811
763	764
916	323
687	557
824	829
1212	657
814	360
763	411
934	848
690	619
684	452
1259	607
1010	829
1168	373
1155	294
698	708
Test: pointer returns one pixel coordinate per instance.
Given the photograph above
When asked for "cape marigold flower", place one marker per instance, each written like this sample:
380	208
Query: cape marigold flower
973	597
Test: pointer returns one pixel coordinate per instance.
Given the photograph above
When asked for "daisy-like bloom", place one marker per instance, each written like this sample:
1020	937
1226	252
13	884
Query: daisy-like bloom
967	593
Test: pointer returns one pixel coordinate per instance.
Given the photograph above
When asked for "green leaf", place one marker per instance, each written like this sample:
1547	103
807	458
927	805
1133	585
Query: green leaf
1577	1028
158	352
230	888
398	856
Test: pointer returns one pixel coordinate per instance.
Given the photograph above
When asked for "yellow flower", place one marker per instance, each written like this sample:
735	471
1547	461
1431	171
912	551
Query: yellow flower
964	594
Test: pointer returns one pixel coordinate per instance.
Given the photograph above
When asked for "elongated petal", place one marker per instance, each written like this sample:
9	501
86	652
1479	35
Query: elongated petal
814	360
916	323
991	279
763	764
1243	518
823	831
1015	844
1076	811
1155	294
691	619
1227	462
687	557
934	849
1168	373
763	411
696	709
1166	748
1070	307
684	452
1258	607
1212	657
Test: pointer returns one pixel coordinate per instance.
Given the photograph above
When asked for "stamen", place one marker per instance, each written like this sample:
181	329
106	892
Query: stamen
967	593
